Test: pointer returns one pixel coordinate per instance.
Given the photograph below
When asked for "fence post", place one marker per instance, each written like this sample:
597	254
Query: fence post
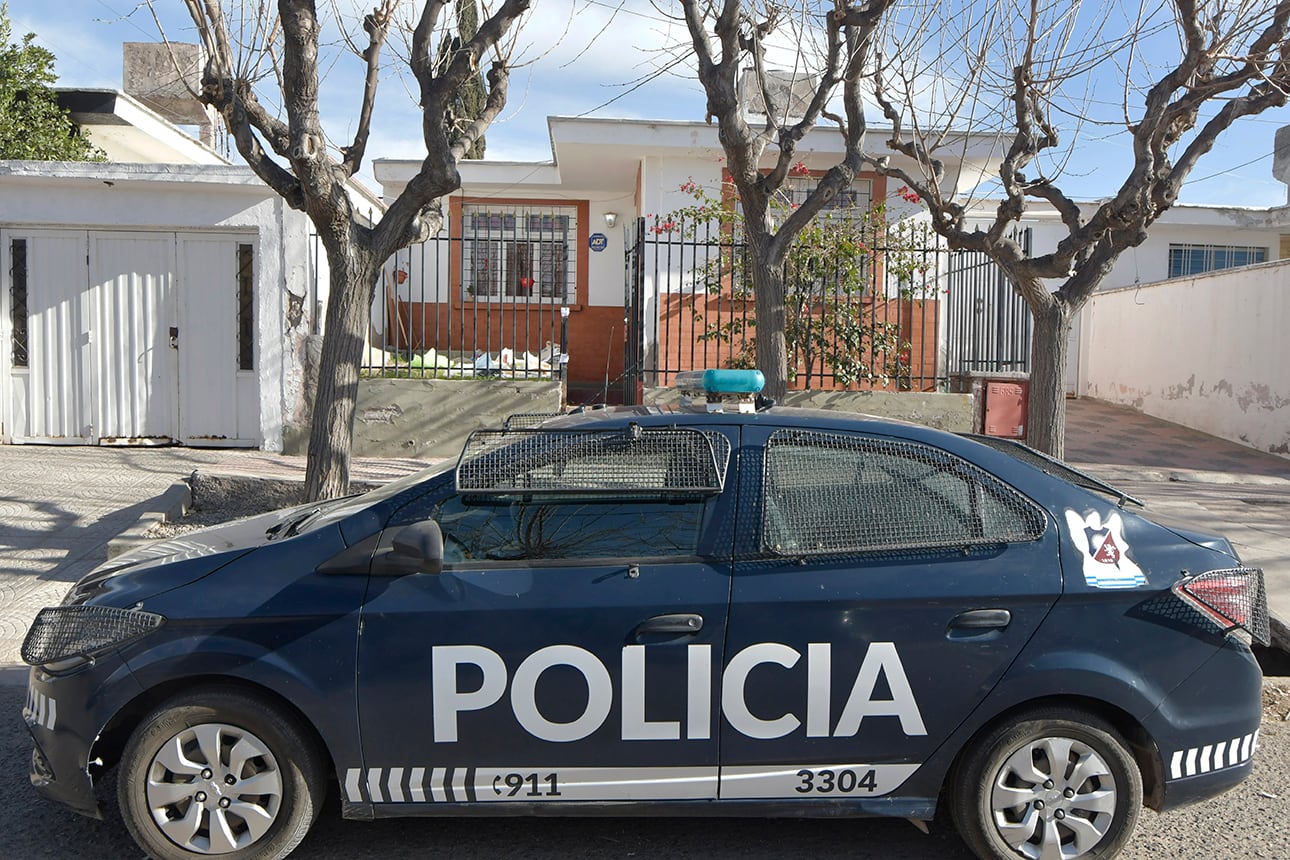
564	355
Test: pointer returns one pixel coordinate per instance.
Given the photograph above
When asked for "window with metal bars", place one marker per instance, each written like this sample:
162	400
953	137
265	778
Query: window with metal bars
245	307
18	301
852	202
517	254
1185	259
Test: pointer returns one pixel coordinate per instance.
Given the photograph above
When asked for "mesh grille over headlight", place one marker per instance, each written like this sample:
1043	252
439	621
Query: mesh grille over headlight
63	632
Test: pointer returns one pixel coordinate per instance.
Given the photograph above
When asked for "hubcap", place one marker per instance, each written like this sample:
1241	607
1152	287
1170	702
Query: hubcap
214	788
1053	799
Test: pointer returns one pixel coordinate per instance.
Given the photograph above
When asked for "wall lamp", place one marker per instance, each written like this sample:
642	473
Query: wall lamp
611	218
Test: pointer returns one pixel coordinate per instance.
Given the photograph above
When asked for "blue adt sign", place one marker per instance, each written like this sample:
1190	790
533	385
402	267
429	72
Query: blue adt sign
597	242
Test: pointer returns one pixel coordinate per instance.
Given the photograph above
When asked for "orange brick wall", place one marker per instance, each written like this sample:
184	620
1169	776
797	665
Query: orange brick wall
683	318
595	333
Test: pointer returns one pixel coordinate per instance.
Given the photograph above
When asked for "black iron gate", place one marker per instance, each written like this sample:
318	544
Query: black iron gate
634	315
987	325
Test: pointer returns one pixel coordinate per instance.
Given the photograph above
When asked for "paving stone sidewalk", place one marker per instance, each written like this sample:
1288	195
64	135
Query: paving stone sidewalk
59	507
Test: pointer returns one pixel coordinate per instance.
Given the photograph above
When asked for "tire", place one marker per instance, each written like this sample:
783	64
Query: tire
218	773
1058	780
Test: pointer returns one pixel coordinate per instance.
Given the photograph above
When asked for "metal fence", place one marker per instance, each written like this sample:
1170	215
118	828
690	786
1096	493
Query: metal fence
988	324
862	315
483	297
896	312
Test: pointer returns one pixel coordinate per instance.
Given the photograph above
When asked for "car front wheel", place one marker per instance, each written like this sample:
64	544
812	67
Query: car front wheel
219	773
1056	784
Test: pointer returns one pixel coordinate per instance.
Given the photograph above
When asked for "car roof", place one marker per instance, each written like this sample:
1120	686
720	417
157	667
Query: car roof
776	416
1002	461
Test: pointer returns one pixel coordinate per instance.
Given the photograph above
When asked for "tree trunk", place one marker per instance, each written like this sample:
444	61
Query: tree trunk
772	318
1046	428
331	436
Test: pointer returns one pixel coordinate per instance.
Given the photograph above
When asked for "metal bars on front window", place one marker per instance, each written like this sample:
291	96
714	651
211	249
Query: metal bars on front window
516	254
628	461
245	307
18	301
1187	259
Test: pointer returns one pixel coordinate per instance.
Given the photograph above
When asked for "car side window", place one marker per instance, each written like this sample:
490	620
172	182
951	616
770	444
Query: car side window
532	528
830	493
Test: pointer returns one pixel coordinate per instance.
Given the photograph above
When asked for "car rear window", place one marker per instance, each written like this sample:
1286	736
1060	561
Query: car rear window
830	493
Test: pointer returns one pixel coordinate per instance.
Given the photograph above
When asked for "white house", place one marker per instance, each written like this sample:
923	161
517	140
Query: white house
525	239
165	295
1188	240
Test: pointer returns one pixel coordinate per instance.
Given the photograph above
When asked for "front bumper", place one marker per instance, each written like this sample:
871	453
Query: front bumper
66	715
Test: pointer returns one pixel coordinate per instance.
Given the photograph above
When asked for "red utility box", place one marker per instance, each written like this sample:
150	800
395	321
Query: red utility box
1004	411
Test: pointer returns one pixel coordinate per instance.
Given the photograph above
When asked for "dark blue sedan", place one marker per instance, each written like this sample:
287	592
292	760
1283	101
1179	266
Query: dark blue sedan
711	610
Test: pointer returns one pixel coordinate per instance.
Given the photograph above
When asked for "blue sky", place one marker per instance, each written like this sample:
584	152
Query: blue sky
589	64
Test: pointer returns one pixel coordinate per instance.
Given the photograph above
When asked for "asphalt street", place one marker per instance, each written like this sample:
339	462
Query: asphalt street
1247	822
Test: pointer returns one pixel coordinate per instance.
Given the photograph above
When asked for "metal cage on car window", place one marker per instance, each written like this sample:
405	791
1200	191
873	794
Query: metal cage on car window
626	461
828	493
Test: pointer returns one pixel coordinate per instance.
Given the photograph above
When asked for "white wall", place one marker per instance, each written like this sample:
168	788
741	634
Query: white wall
1208	352
191	197
1191	225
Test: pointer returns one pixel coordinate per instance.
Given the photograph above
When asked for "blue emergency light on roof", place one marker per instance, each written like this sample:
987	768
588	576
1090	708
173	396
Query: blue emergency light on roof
720	387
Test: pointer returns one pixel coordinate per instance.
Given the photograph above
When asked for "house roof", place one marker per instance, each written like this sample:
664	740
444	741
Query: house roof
604	154
133	134
1190	214
128	131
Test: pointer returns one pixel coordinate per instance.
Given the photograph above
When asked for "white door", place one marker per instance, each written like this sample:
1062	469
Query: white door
209	352
134	337
52	396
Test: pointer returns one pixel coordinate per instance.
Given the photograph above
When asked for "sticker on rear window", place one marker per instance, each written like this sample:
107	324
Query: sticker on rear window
1105	551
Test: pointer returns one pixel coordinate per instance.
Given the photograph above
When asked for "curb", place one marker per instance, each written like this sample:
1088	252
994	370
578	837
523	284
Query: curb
170	505
14	676
1162	475
1280	634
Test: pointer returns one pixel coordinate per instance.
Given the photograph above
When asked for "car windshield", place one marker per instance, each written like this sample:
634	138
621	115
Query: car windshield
320	514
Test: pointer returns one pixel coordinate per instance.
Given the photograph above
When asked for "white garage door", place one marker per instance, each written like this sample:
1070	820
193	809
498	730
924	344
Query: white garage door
130	338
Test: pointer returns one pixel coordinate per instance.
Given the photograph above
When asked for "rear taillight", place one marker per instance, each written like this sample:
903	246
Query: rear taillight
1232	598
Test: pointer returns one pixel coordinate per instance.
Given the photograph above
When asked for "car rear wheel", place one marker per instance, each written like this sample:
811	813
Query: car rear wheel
219	773
1056	784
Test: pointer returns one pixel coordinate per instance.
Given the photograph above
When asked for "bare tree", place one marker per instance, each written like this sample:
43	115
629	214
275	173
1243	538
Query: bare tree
258	47
734	36
1186	71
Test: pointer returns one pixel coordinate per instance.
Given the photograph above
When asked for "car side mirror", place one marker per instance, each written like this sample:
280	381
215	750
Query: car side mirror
414	548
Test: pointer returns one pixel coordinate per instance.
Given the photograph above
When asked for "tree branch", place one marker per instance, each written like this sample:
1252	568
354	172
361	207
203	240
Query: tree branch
377	27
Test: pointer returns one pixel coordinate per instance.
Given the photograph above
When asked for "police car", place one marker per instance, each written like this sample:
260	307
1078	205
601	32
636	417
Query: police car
714	609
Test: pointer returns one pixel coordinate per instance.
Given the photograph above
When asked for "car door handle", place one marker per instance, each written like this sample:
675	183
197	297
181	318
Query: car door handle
981	619
680	622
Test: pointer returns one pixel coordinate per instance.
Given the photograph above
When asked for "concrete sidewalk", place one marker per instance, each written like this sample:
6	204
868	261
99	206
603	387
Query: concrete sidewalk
60	506
1214	485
